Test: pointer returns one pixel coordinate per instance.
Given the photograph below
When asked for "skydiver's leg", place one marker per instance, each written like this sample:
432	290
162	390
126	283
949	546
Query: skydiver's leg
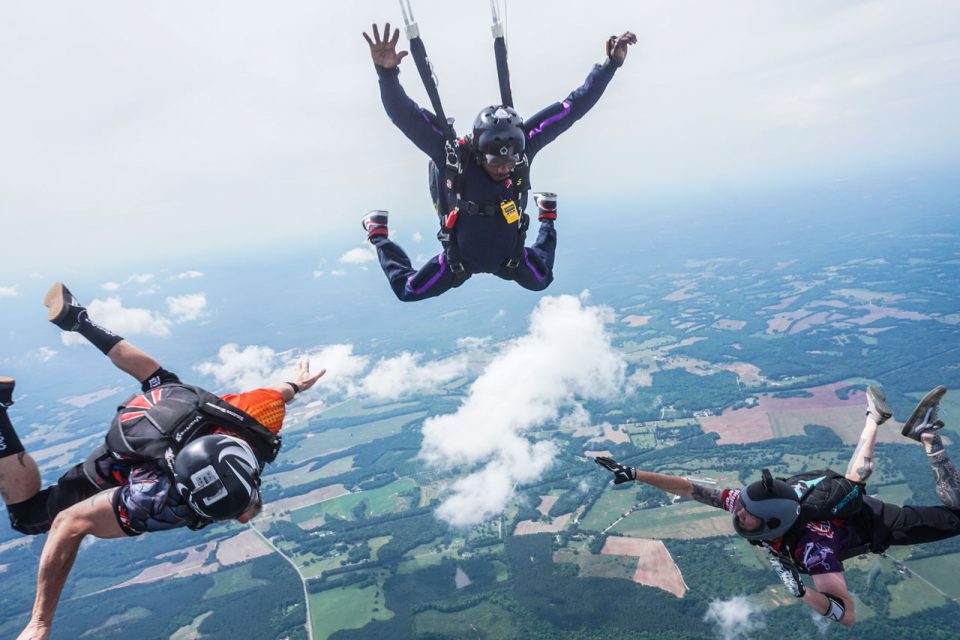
409	284
535	271
924	424
66	312
862	463
19	476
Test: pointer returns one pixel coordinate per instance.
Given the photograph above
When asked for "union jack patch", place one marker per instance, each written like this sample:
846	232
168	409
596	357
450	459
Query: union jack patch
139	406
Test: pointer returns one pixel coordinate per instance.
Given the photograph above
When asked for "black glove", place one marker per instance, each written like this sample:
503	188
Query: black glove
788	574
621	473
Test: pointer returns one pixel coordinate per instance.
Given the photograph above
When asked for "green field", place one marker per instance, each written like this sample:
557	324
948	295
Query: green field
380	501
686	519
427	556
611	505
913	595
302	474
335	439
190	631
356	408
486	620
234	580
893	493
942	571
345	608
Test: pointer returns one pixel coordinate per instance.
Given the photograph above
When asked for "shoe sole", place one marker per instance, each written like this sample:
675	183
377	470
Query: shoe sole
54	302
932	398
377	216
880	404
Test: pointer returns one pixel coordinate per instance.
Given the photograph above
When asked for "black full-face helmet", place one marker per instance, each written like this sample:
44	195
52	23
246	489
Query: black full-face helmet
218	476
498	131
772	501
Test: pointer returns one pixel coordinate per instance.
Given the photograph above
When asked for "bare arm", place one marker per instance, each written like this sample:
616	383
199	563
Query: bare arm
835	585
93	516
671	484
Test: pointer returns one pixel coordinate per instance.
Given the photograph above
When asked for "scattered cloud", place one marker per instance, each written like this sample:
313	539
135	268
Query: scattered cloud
528	383
257	366
8	292
187	307
44	354
125	321
392	378
735	618
188	275
110	286
359	255
140	278
338	272
417	236
317	273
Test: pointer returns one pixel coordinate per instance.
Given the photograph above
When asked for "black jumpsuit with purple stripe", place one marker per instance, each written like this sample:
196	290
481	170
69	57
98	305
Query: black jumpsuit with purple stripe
485	242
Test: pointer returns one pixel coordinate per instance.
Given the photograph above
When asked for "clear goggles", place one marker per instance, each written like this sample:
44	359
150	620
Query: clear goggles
494	160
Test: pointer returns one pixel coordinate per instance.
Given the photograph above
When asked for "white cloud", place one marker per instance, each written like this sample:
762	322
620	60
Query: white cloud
110	286
111	313
187	307
45	354
338	272
140	278
359	255
8	292
188	275
317	273
417	236
403	375
735	618
527	384
256	366
472	343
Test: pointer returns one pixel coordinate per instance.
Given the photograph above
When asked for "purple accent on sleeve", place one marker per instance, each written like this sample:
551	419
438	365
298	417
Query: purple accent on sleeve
549	121
526	259
432	281
430	122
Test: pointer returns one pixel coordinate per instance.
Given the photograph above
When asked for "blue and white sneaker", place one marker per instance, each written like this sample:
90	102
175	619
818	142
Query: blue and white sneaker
926	417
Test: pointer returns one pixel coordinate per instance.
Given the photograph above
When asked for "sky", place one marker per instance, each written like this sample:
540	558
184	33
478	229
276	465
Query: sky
155	133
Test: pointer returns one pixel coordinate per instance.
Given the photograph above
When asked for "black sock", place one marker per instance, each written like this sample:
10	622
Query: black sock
98	336
9	442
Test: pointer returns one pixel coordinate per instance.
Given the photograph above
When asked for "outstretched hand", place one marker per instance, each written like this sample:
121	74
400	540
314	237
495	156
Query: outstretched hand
617	46
384	52
302	374
621	473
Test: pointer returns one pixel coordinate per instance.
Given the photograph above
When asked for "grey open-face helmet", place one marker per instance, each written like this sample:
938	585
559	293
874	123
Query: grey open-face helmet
218	476
774	502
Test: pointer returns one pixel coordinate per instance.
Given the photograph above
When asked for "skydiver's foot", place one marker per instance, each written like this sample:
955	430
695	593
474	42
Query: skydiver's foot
926	416
65	310
6	391
877	406
375	224
546	205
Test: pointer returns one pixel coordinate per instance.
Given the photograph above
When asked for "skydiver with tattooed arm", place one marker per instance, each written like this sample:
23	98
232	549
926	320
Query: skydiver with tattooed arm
812	522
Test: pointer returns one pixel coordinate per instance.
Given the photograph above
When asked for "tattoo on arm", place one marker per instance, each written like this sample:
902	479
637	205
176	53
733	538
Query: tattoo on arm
712	497
866	465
